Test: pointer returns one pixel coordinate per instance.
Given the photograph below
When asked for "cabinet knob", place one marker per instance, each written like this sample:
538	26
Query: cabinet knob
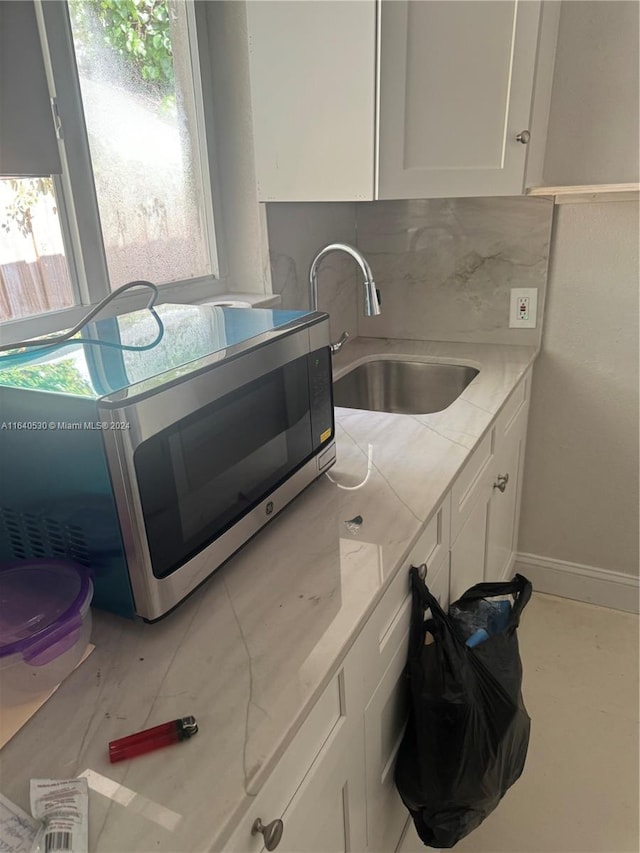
524	136
501	482
272	832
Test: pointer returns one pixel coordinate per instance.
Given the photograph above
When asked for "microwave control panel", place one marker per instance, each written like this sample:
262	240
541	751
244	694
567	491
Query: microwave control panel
320	396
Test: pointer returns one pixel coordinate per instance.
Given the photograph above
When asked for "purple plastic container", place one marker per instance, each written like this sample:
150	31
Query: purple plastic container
45	625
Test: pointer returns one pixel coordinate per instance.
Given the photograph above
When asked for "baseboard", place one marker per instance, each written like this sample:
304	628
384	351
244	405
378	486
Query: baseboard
582	583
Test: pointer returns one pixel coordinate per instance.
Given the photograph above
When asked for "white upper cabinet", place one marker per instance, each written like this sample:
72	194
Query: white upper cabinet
456	87
356	99
312	66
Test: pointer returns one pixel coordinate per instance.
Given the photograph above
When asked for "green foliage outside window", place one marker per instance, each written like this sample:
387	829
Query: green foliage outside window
59	376
138	30
18	212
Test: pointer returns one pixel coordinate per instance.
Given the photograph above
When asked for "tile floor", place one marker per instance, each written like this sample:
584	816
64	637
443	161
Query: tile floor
579	792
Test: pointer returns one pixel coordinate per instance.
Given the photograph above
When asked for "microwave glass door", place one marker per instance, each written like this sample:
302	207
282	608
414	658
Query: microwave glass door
199	476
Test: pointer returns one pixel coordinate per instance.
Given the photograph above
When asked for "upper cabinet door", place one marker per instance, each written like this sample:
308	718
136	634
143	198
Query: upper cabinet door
312	67
456	83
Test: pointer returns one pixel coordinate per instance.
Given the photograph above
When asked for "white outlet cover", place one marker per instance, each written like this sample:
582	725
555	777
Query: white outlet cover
516	294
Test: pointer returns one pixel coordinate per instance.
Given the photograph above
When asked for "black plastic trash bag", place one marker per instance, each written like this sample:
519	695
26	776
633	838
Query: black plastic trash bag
468	730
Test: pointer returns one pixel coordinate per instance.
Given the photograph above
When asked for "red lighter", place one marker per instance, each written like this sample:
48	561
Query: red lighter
151	739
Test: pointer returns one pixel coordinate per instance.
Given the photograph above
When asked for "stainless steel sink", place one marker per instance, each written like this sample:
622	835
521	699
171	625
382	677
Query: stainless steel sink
402	387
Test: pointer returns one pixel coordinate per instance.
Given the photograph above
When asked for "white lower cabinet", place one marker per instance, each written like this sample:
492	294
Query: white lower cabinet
316	791
327	812
486	499
333	789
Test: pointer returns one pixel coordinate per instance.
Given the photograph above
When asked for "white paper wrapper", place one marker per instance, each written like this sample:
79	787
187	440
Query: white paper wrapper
63	807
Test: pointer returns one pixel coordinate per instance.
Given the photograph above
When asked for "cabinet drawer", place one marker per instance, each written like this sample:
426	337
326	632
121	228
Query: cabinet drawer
325	719
470	482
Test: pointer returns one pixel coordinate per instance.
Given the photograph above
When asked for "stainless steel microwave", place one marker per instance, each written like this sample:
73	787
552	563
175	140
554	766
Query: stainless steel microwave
152	451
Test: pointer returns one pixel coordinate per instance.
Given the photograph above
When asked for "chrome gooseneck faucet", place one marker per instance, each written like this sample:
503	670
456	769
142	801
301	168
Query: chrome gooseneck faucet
371	303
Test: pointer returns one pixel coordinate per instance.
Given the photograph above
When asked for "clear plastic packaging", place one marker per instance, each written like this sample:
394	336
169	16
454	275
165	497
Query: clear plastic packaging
484	619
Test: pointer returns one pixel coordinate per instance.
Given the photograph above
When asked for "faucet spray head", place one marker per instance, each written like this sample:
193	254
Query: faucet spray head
371	301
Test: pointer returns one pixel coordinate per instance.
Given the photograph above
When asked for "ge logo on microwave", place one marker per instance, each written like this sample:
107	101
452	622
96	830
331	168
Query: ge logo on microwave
269	508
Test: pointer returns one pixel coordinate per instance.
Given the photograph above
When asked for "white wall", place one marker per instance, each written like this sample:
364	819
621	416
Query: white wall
579	520
580	498
593	121
240	219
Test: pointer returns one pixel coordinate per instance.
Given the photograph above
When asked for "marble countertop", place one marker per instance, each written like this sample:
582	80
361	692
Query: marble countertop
251	650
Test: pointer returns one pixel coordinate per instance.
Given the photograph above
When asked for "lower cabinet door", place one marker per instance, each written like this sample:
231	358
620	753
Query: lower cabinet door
327	813
501	534
384	720
503	506
314	800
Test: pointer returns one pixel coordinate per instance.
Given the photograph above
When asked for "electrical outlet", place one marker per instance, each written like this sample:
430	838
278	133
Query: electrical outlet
523	308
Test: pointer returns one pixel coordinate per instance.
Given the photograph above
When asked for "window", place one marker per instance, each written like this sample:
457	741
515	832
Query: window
138	95
133	200
34	275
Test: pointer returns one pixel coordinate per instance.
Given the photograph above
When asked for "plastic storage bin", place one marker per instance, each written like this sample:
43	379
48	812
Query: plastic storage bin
45	625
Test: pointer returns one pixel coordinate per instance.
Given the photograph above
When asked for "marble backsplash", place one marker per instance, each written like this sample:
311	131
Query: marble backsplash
444	267
296	233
